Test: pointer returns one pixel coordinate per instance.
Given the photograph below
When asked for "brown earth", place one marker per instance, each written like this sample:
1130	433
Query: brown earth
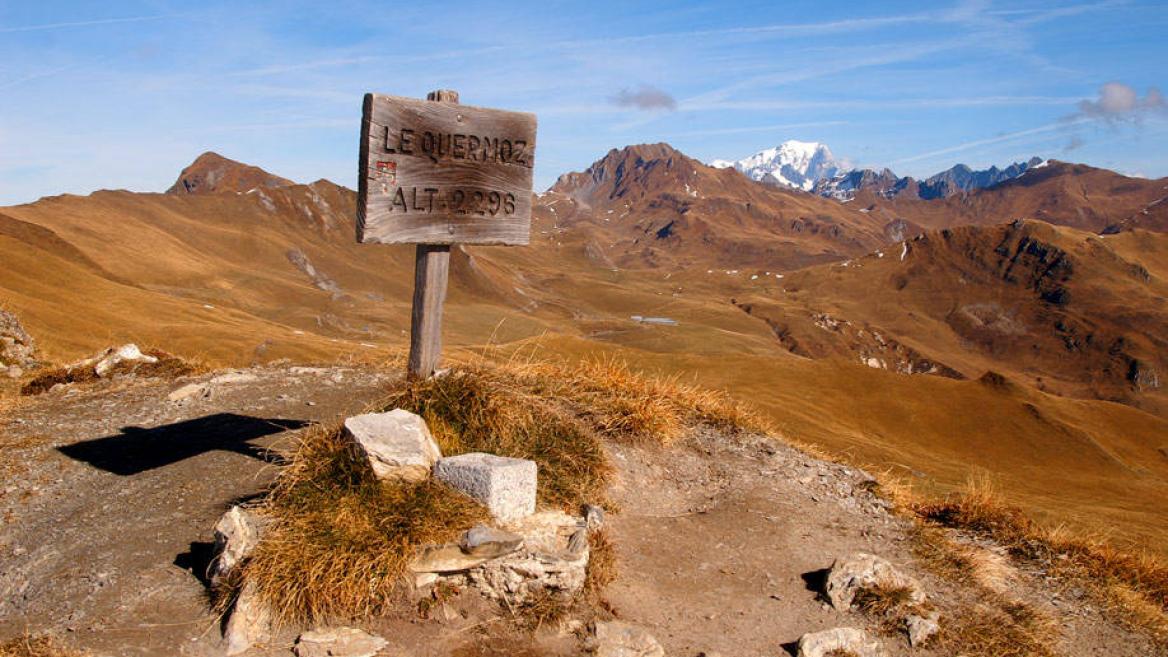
720	540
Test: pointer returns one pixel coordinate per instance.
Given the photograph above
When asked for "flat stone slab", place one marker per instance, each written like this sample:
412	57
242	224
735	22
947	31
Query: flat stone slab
338	642
506	486
397	444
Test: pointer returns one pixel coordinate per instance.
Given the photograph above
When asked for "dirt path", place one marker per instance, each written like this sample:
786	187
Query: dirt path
111	493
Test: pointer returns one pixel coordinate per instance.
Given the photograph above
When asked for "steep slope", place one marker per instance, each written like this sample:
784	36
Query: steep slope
211	173
651	206
1059	309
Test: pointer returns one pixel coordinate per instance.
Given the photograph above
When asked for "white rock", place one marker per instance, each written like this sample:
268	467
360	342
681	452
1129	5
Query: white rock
236	535
250	622
618	639
187	391
397	444
546	562
124	353
921	628
860	570
14	372
505	485
338	642
843	639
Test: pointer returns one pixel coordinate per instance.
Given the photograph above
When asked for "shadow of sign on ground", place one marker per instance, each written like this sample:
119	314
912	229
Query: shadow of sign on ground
138	449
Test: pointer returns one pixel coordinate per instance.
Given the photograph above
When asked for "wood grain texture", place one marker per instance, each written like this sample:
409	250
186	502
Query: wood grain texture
444	173
431	273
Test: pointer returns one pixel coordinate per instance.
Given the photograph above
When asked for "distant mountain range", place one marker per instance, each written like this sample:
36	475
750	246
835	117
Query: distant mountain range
811	167
798	164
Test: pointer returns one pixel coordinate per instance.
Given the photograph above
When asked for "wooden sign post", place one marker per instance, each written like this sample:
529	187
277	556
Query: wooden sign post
436	173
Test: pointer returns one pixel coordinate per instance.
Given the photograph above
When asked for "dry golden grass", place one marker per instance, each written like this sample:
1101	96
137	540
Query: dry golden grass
602	566
168	366
1134	586
341	540
41	646
883	600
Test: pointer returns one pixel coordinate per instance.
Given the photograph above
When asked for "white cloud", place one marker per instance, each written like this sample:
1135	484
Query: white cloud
1117	101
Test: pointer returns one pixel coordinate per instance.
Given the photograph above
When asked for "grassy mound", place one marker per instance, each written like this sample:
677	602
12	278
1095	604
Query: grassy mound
340	539
168	366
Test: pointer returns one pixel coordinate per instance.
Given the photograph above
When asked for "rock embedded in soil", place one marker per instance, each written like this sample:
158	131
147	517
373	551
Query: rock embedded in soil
127	353
397	444
847	640
861	570
506	486
250	622
16	345
236	534
338	642
186	392
593	517
489	542
545	565
619	639
921	628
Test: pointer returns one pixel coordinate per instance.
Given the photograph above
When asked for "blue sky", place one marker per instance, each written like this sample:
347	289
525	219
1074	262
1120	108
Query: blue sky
124	94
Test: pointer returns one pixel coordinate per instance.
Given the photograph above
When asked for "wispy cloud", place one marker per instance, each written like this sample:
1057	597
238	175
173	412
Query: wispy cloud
978	143
89	23
644	97
279	69
881	103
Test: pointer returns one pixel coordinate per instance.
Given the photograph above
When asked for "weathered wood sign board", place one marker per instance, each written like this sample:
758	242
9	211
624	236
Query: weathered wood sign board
444	173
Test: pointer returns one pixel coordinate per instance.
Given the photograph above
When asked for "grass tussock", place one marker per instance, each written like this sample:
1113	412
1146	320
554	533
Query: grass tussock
883	600
40	646
1135	586
341	541
997	628
602	567
168	366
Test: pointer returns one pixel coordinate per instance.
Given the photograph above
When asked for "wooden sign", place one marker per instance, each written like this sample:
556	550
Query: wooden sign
444	173
435	173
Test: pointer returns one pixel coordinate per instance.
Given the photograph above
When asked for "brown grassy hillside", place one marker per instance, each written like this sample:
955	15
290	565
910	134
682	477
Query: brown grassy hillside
257	274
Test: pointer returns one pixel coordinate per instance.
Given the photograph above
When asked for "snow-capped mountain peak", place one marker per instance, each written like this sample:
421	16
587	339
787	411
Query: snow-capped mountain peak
797	164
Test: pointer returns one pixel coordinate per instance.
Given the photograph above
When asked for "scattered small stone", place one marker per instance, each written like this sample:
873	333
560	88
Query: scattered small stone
338	642
850	574
228	378
397	444
619	639
236	534
921	628
840	639
188	391
505	485
593	517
